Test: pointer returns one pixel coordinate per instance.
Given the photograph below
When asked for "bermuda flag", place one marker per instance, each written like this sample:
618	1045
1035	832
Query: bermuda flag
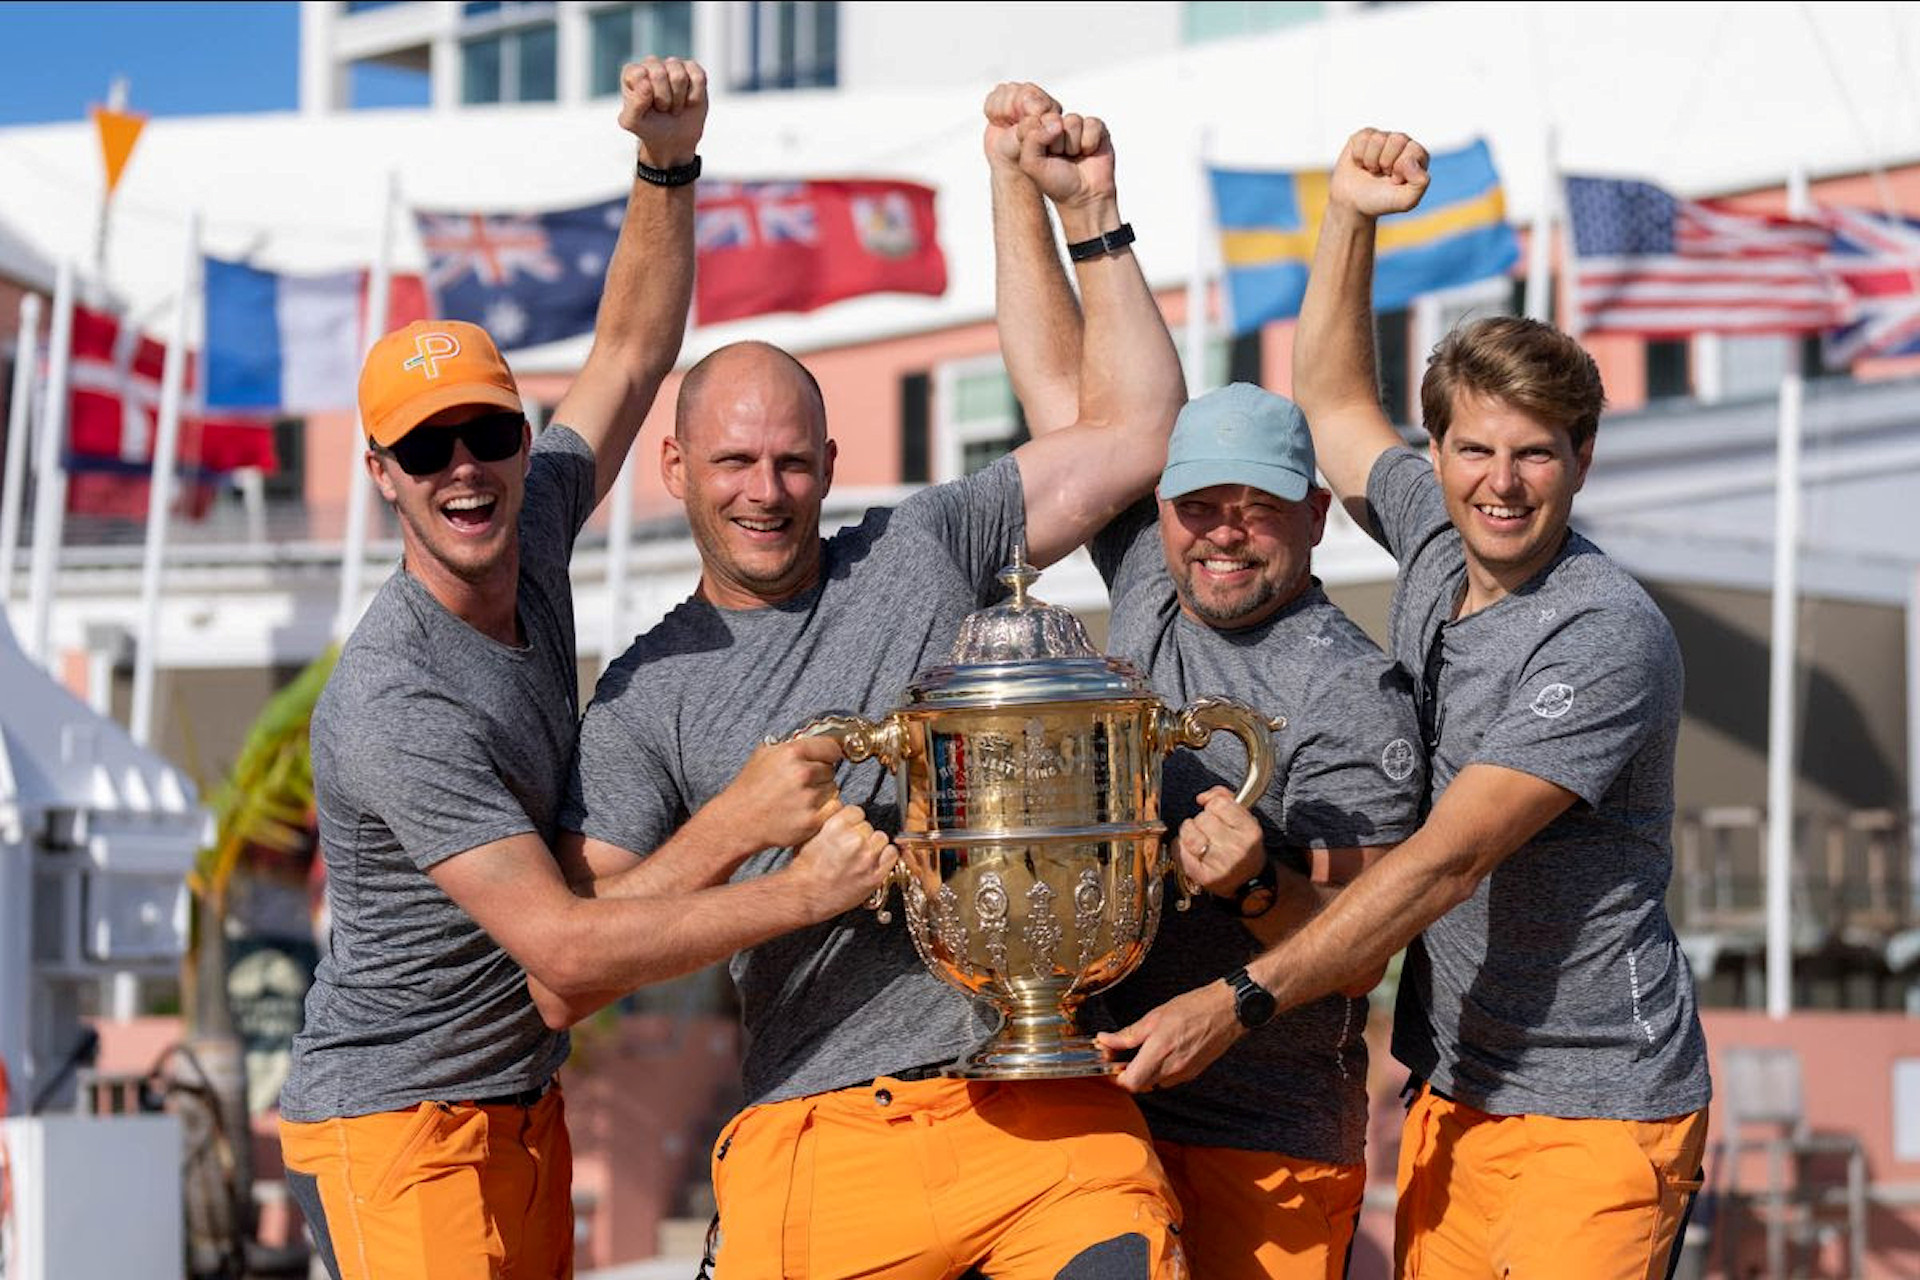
1877	258
292	344
1647	263
115	412
797	246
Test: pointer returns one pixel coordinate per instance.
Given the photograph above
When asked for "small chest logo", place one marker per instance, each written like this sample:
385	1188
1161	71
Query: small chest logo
1320	642
1548	615
1553	701
1397	760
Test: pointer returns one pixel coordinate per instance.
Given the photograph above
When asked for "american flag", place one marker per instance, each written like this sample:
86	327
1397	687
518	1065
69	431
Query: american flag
1877	258
1647	263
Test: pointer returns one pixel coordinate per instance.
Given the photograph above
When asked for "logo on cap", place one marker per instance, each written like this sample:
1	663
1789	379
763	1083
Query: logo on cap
432	348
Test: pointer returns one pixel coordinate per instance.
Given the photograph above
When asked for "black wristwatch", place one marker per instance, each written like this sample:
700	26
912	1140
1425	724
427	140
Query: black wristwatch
1253	1004
1255	896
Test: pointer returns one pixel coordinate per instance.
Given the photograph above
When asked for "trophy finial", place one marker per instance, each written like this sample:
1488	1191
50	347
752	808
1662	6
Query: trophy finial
1020	575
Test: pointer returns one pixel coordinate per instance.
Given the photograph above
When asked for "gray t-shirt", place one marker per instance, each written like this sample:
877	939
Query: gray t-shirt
431	739
1559	987
673	720
1347	774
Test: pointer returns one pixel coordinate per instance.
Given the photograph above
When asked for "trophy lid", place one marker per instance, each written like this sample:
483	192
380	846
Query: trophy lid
1024	650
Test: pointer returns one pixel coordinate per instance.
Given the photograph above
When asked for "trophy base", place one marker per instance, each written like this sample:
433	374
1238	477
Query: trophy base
1036	1045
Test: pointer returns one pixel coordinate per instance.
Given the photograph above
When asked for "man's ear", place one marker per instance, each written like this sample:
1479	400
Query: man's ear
826	471
673	466
1318	500
377	469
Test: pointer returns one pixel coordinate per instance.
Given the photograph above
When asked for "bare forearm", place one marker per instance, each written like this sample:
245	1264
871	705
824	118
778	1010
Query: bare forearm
1296	901
1358	931
1334	374
1130	377
1035	310
616	946
640	325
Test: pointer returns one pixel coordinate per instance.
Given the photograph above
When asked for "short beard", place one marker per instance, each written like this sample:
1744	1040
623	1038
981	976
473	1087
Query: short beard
1263	594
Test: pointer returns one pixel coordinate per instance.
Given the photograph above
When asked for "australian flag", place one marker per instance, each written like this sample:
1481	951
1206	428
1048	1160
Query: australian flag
527	279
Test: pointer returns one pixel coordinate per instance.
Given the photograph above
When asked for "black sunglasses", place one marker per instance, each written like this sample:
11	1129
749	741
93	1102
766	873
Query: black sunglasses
494	437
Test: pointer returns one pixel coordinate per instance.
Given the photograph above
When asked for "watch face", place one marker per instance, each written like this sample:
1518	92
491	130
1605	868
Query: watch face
1257	901
1253	1005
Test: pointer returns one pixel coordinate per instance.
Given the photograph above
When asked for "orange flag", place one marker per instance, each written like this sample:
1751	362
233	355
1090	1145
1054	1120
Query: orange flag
119	130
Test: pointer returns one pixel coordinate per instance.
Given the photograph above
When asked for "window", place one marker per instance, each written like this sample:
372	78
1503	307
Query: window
1203	20
629	31
977	418
1668	370
514	65
916	414
787	44
1392	345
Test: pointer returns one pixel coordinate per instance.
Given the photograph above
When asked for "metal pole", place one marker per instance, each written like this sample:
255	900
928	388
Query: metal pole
49	476
1913	739
26	367
353	551
166	444
1197	281
1781	739
1539	300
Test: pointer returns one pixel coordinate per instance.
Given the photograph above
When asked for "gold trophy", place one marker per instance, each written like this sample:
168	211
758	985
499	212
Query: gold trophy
1031	851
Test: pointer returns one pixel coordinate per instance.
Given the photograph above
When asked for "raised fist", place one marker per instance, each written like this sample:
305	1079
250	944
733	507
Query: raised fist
663	102
1006	106
1069	157
1379	173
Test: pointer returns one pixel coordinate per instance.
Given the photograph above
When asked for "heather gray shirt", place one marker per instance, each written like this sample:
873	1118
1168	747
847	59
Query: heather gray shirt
1558	988
431	739
675	718
1347	774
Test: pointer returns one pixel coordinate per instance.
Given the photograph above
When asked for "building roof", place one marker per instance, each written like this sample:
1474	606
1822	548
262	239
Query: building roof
56	753
1700	97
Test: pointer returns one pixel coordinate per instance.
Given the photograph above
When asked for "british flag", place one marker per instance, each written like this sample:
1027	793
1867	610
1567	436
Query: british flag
1877	258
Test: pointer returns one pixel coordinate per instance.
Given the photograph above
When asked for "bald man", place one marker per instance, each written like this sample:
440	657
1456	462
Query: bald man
854	1156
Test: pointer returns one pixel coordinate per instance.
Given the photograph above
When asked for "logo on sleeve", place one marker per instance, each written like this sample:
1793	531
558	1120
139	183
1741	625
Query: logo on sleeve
1398	759
1553	701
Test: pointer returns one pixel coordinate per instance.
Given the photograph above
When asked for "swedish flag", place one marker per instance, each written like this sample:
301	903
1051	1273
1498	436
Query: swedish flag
1269	221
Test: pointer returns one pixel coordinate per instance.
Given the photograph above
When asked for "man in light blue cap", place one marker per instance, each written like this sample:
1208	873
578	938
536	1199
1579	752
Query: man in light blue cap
1213	592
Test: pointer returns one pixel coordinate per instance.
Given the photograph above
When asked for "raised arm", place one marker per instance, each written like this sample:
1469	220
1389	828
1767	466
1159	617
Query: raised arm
1078	478
1335	380
643	309
1034	307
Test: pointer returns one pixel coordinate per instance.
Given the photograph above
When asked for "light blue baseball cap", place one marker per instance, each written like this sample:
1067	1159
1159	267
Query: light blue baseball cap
1240	434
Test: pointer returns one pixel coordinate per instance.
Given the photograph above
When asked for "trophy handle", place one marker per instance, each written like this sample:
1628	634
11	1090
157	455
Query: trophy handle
862	739
1200	719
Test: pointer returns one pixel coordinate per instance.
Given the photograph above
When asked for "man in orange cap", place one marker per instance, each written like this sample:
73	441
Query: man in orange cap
422	1130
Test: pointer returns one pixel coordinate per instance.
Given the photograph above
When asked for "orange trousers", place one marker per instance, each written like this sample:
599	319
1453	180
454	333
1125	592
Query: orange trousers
922	1180
1259	1215
446	1191
1540	1198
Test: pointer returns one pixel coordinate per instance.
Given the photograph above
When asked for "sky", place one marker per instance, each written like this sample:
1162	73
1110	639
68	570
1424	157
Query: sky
179	59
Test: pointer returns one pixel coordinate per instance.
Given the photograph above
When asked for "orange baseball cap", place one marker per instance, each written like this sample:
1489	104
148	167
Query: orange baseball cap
413	373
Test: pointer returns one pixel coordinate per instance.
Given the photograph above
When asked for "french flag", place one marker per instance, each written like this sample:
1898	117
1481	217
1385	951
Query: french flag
291	344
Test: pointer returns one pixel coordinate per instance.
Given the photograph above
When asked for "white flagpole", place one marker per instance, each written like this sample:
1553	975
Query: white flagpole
1196	332
49	475
1784	644
1539	301
619	546
1913	737
26	371
353	552
166	446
